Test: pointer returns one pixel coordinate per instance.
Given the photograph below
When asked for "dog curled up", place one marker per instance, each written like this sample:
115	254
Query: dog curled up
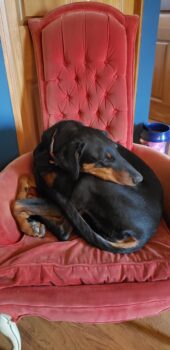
104	190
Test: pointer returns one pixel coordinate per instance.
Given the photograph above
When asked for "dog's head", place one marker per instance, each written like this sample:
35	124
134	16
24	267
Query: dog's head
76	148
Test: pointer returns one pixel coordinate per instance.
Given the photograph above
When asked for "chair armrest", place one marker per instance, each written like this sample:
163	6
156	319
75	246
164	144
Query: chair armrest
160	164
9	232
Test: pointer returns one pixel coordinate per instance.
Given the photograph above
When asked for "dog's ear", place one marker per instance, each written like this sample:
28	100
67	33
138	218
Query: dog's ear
61	131
105	133
68	158
47	136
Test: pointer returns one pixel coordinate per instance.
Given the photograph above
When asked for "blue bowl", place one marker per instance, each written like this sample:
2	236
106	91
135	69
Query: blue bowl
155	132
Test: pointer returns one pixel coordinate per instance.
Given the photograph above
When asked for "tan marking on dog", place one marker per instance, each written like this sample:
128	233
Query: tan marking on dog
42	210
24	184
108	174
50	178
21	219
127	243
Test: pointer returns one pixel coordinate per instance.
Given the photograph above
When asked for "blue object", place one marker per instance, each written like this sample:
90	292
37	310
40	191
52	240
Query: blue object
155	132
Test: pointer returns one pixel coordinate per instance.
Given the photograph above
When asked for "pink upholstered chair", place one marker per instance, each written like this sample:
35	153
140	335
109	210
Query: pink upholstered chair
85	57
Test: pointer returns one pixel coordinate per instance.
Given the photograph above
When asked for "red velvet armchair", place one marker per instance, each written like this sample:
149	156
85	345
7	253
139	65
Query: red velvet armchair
85	58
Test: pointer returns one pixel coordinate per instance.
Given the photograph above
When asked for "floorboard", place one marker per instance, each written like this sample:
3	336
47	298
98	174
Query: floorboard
147	334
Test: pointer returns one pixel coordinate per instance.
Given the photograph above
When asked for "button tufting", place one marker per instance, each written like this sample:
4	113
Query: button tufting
88	95
68	96
108	127
86	61
96	78
63	115
115	110
98	113
107	61
77	79
66	63
58	79
106	94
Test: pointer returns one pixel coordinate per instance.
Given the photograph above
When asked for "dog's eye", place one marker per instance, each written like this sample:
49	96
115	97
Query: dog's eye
109	156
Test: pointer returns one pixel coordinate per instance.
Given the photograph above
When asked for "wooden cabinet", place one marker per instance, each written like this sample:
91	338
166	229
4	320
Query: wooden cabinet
20	65
160	98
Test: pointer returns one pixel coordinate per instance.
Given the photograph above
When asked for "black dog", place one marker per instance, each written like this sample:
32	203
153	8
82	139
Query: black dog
119	214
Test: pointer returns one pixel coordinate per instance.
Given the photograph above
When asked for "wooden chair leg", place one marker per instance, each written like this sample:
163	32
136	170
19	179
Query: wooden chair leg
10	330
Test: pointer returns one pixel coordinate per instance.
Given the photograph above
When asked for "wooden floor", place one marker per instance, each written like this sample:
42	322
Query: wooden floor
147	334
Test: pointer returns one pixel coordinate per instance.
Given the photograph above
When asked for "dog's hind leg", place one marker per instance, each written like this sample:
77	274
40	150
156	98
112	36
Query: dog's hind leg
61	230
41	214
34	215
25	191
25	183
21	214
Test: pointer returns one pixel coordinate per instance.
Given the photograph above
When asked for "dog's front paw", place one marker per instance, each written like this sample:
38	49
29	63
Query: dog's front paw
38	229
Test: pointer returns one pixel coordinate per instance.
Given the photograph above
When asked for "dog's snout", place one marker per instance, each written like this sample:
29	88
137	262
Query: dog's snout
137	179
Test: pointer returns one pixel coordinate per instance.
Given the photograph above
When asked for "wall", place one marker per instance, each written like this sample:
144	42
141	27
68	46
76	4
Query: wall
8	140
146	60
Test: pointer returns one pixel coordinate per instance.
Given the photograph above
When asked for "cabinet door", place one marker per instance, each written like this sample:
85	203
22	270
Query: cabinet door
20	65
160	98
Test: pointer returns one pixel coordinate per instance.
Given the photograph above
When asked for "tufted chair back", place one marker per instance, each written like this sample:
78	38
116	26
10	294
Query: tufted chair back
85	57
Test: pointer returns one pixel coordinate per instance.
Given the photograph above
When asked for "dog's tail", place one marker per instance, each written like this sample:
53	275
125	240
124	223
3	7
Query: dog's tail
84	230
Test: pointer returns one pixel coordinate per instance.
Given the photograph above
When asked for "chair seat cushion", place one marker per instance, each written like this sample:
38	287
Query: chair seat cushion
26	261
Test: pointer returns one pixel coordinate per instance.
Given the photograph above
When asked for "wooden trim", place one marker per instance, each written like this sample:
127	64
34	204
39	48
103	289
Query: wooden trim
128	7
138	10
26	125
159	111
11	73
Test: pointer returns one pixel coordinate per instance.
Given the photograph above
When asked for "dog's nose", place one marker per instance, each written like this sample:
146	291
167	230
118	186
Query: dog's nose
137	179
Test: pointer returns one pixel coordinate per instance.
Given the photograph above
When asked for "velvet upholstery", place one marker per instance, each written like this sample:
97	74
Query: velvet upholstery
85	76
85	59
34	273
